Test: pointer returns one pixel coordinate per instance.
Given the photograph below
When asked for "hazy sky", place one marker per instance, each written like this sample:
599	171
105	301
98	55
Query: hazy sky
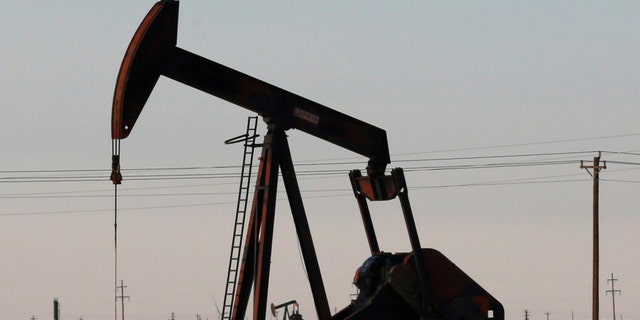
488	105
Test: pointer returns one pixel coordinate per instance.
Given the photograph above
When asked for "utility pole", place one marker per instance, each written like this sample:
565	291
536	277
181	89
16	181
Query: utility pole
173	316
526	314
613	294
596	237
56	309
34	318
122	296
547	313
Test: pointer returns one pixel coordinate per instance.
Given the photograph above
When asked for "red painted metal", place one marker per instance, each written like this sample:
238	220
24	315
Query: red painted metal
304	233
153	52
367	222
275	155
150	48
389	289
419	285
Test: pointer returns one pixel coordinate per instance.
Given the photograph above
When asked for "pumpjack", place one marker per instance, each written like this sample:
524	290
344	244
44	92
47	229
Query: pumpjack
421	284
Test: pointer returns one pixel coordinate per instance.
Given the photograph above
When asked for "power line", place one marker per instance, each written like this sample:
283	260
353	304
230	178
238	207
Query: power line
152	177
107	193
73	194
338	193
130	169
315	173
111	209
498	183
110	196
147	174
98	175
491	165
620	180
125	189
624	162
301	163
519	155
532	143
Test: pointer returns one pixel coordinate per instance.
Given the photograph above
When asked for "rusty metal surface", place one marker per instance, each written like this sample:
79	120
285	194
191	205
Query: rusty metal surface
275	155
390	289
257	249
303	231
455	294
153	52
422	286
427	283
279	106
424	277
365	213
151	47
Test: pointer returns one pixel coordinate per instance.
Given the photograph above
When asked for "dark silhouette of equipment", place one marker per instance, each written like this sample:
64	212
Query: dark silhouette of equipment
56	309
295	310
241	212
417	285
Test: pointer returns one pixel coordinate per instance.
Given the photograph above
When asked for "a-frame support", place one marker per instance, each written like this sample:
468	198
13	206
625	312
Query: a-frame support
256	261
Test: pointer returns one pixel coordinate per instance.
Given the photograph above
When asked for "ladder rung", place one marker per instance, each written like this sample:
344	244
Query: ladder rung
236	248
